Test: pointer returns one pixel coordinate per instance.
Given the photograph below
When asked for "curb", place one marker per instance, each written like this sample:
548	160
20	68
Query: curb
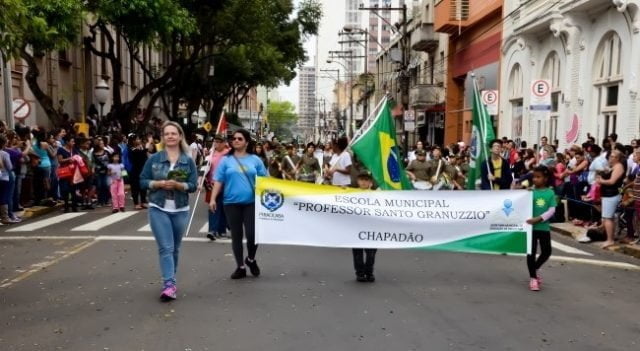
37	211
629	250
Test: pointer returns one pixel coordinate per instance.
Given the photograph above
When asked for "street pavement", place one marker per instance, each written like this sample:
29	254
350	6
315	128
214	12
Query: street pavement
91	282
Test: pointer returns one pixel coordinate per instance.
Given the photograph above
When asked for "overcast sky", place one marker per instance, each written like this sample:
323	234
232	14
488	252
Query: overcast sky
331	23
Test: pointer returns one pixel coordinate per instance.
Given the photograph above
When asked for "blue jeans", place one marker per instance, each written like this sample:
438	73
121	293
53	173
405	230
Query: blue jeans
168	228
217	220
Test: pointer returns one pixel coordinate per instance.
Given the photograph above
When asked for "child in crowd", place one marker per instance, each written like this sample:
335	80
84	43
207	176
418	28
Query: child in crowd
362	265
544	207
116	172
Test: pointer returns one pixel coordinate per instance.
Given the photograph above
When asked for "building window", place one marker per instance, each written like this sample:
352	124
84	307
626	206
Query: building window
551	71
517	102
607	80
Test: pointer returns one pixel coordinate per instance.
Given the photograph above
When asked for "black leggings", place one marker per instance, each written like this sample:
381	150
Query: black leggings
139	195
239	216
362	265
545	251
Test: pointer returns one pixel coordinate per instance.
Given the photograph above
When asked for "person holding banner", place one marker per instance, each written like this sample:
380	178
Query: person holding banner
364	265
289	163
217	220
544	207
235	176
495	172
169	175
340	165
309	166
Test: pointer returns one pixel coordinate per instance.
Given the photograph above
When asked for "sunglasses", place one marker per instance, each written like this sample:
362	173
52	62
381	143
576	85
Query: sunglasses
238	139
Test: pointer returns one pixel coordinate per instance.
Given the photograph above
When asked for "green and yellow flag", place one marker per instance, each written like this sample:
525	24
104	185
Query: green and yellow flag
481	136
377	149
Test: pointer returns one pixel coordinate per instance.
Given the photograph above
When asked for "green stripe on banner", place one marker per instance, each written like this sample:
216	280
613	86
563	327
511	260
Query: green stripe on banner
501	242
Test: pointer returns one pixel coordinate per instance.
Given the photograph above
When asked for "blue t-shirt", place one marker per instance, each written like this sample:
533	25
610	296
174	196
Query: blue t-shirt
237	189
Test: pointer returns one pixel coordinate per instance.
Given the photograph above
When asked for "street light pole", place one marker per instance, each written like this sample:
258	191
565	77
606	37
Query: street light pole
349	130
338	94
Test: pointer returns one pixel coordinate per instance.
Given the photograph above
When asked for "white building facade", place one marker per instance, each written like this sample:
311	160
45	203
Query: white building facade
589	51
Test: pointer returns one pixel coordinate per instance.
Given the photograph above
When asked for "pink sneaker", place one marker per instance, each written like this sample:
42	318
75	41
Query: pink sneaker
539	278
169	293
534	285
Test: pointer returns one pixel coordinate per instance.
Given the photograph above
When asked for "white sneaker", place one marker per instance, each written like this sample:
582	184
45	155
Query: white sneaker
584	239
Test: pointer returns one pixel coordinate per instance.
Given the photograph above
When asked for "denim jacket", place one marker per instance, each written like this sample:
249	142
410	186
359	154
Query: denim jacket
157	168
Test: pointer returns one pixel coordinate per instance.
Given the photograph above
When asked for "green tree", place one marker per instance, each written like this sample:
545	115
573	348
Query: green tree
282	118
36	27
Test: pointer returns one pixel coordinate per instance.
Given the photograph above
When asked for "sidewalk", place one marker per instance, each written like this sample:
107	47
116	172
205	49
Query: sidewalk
570	230
37	211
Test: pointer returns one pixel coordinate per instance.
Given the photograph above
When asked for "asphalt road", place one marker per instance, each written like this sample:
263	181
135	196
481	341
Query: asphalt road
61	289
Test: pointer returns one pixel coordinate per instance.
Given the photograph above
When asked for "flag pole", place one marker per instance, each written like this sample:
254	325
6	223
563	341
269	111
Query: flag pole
206	169
365	126
483	129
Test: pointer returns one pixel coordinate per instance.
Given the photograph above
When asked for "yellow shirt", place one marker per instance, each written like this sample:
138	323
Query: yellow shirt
497	172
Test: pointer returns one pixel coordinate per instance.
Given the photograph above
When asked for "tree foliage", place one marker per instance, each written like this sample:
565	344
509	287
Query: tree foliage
282	118
249	42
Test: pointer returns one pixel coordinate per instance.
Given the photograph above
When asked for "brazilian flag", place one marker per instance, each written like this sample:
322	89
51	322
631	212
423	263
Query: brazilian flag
377	149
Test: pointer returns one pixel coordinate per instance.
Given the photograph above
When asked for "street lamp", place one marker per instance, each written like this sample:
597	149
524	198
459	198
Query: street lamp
102	95
347	130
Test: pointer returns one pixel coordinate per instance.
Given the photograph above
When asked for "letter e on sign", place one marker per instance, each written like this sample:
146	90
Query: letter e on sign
541	88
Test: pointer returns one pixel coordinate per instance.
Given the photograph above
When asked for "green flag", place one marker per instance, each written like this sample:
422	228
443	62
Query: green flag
377	149
481	136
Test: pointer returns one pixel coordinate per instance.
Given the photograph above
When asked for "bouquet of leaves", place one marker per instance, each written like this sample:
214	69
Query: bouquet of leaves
179	175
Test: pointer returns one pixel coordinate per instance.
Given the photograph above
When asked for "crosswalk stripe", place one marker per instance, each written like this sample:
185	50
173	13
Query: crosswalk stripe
46	222
103	222
568	249
203	229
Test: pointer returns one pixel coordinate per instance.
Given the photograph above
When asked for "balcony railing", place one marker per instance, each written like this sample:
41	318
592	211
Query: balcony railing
459	10
451	15
423	38
424	95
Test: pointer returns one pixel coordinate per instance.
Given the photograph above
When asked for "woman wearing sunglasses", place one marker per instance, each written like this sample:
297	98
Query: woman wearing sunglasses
235	176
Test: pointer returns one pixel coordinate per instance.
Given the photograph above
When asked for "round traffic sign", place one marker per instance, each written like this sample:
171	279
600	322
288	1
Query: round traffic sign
489	97
540	88
20	108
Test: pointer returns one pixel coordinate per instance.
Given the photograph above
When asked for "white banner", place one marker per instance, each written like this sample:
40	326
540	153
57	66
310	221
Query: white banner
293	213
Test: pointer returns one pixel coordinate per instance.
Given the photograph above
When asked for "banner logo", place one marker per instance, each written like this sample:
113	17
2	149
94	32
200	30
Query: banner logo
508	207
271	199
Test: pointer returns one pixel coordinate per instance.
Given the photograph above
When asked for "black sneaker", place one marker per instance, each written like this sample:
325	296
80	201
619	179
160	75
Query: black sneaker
211	237
239	273
361	278
253	266
371	278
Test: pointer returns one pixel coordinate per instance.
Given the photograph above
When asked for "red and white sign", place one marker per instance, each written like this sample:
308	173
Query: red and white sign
540	104
21	109
490	100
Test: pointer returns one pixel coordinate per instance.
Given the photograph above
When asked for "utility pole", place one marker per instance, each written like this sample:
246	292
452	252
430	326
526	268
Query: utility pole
338	93
404	78
350	56
351	31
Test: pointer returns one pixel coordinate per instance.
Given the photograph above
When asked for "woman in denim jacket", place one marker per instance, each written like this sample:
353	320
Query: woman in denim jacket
169	175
